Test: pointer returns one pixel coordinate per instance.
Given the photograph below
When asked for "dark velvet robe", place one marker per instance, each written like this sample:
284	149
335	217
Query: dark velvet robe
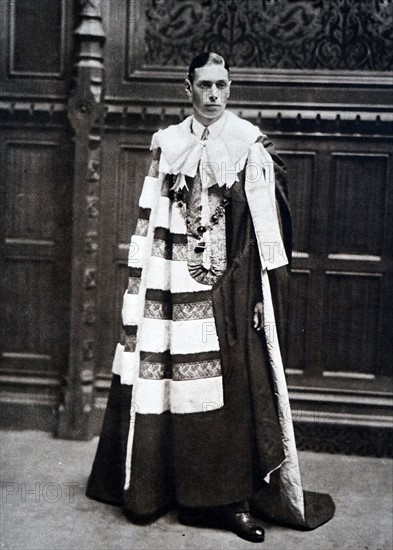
221	456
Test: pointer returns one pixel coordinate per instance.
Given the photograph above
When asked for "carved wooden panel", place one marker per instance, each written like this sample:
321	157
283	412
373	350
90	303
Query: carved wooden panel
286	34
35	42
298	325
351	323
29	340
301	174
278	50
35	198
37	38
31	191
357	203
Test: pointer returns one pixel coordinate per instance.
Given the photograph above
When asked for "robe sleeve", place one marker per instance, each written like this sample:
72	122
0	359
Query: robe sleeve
279	278
261	193
141	243
282	195
126	357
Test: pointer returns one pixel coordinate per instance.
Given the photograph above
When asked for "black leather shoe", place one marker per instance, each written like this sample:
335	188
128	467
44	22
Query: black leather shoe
235	518
243	524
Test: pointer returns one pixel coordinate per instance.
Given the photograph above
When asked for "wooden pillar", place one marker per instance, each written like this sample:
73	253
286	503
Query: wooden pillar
85	114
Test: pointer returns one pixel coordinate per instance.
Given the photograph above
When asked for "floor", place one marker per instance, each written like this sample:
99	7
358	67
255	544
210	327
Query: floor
43	504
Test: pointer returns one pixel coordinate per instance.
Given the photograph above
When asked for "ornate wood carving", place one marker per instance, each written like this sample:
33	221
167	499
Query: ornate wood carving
300	34
85	110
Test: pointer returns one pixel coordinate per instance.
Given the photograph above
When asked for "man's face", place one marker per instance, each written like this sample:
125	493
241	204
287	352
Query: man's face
209	92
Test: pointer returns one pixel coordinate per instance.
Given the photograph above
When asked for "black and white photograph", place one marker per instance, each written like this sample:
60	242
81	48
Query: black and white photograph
196	212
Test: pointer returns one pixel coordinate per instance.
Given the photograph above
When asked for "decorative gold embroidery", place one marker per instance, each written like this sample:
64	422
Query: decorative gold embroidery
130	341
157	310
154	371
193	371
149	370
134	284
197	310
142	227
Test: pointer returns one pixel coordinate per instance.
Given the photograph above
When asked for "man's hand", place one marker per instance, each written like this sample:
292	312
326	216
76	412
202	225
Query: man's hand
258	315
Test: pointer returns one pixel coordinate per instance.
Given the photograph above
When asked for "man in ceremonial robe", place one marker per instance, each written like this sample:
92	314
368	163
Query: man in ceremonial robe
198	416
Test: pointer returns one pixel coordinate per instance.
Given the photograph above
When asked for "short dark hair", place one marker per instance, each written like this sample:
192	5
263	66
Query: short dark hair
205	58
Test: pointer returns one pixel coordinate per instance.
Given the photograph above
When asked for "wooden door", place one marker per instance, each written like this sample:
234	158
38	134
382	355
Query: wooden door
36	156
340	329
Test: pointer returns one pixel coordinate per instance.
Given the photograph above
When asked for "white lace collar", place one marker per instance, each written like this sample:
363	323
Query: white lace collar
220	158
